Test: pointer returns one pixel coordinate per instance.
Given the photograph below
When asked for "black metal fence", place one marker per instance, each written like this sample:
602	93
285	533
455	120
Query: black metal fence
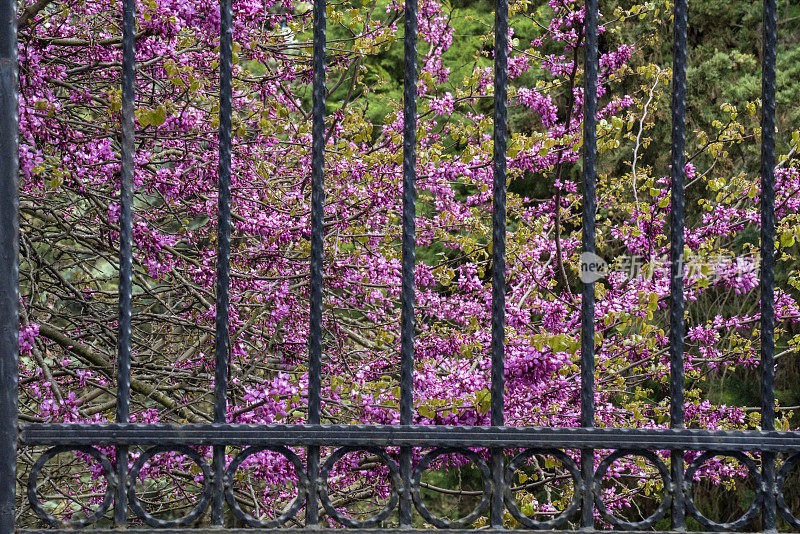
676	498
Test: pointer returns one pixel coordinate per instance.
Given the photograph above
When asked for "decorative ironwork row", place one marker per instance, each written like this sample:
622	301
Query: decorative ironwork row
673	491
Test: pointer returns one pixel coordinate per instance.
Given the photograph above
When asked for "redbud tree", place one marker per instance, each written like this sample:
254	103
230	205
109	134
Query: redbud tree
70	105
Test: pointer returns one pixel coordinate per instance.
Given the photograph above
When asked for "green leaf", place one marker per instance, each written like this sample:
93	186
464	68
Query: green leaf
528	510
158	116
426	412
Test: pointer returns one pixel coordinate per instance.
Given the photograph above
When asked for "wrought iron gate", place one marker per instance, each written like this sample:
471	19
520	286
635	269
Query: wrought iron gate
676	499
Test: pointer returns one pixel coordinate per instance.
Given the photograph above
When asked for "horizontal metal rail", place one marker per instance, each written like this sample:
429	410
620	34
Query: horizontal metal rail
413	435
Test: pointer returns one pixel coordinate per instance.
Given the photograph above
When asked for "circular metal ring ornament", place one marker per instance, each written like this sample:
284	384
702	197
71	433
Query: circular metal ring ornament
202	503
666	494
423	466
290	511
108	474
564	516
748	515
396	487
780	481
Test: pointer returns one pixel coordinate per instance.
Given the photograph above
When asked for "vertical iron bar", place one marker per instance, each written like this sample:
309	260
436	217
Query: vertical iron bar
223	251
499	248
677	222
768	252
587	295
317	244
125	251
9	261
409	249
